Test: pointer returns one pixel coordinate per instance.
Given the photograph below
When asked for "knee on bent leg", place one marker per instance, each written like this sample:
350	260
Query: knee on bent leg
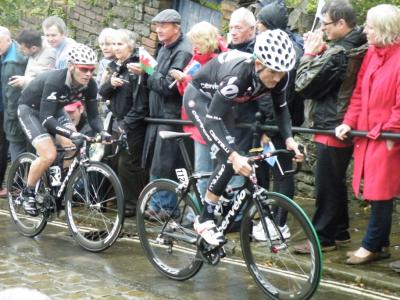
47	155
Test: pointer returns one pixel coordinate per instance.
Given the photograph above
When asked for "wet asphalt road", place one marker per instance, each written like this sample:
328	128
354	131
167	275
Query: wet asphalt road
54	264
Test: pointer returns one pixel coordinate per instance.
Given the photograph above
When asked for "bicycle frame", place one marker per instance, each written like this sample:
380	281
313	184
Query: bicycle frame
77	162
188	179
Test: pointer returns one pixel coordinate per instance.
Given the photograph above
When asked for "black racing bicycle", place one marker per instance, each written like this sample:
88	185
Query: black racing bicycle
267	238
90	192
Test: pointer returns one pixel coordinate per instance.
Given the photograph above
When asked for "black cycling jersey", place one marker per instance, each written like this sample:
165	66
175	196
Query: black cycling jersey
51	91
228	79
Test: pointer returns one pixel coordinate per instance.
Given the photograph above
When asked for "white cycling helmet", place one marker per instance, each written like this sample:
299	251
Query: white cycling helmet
82	55
275	50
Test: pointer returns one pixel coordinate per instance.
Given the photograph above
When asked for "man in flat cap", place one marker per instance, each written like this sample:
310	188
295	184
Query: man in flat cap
163	156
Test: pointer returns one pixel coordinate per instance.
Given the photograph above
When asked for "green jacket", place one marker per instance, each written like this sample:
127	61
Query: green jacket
13	62
329	79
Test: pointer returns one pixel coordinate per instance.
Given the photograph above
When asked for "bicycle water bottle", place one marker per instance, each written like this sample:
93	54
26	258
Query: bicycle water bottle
55	175
225	202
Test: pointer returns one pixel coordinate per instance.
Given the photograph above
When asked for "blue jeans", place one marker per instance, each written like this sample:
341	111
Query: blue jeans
162	200
202	163
379	226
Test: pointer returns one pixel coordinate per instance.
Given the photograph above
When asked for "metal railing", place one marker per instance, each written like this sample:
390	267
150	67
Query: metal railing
256	125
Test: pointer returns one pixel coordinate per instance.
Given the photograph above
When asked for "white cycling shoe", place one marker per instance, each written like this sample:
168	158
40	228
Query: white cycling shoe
259	234
209	232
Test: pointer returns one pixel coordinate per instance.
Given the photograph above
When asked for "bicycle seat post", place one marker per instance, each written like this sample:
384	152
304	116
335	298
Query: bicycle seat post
185	155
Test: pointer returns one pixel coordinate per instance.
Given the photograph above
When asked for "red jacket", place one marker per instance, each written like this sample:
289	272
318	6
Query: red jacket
202	59
375	107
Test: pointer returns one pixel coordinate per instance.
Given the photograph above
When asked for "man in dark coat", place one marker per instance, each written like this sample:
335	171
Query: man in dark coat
13	62
3	148
162	157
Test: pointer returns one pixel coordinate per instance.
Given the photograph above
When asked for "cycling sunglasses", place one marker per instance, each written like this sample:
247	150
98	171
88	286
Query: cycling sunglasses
86	68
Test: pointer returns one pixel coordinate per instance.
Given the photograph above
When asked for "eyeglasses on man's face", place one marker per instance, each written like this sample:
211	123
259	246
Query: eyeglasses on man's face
324	23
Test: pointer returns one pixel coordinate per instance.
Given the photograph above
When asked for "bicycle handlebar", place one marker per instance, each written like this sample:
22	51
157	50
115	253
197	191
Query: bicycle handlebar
263	156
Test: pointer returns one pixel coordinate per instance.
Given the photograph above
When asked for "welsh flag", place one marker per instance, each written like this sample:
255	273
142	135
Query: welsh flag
192	68
147	62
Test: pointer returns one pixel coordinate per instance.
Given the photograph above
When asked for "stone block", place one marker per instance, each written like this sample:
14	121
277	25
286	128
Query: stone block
124	12
154	3
147	18
97	10
100	18
148	43
150	10
90	14
85	20
84	4
142	29
75	15
90	28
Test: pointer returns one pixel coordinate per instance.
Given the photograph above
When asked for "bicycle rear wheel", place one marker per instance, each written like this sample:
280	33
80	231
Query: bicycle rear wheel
17	177
167	236
94	215
275	267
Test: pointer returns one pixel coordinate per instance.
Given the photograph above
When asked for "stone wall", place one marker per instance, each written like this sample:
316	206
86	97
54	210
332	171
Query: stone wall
87	18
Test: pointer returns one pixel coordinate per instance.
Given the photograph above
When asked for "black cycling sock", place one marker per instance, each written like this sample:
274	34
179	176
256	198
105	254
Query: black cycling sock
208	211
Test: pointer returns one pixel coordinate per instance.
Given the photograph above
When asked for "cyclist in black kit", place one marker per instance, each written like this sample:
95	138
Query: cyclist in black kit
231	78
42	115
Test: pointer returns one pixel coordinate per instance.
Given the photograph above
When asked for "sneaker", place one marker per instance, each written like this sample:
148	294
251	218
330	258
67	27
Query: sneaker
209	232
29	203
259	234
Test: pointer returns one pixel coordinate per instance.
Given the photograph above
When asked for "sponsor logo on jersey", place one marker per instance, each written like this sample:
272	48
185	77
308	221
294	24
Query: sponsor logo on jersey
52	96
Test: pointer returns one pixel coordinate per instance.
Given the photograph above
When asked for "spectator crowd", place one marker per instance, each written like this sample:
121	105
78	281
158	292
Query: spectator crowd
349	73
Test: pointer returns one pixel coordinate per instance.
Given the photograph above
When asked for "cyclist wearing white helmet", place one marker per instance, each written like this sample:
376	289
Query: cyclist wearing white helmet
42	115
231	78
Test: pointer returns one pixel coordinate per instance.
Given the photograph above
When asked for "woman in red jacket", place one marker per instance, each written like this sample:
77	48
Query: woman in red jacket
375	107
207	44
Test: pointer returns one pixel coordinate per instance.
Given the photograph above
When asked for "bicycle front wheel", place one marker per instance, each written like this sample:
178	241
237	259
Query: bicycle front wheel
17	177
270	258
94	206
165	227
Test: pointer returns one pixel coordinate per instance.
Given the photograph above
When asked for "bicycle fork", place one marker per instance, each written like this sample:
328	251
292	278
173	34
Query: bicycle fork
265	212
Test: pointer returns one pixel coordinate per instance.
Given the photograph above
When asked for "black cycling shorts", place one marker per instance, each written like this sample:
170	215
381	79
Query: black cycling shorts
33	128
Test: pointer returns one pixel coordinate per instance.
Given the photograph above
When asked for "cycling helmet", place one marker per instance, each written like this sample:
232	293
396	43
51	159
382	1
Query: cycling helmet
82	55
275	50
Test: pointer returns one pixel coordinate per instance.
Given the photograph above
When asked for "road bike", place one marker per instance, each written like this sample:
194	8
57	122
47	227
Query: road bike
176	250
90	192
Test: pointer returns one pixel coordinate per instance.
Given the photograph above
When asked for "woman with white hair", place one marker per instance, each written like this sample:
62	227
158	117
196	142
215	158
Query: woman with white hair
106	43
375	107
129	106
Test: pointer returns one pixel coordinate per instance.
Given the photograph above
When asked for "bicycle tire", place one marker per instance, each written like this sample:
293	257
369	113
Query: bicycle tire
26	224
173	253
95	223
279	272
